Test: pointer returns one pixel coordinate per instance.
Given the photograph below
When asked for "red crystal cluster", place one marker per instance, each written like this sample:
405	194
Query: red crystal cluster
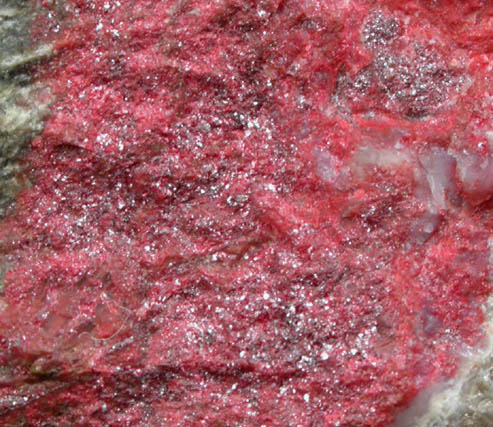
266	212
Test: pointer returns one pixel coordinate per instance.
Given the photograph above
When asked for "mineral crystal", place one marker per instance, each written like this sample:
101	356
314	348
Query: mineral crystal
248	213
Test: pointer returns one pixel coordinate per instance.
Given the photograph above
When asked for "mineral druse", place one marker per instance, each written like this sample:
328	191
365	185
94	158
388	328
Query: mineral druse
247	213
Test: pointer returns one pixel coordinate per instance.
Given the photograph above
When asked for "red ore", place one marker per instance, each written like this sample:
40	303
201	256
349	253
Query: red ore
248	213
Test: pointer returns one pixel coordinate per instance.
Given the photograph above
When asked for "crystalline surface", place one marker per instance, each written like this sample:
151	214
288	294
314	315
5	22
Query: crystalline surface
250	213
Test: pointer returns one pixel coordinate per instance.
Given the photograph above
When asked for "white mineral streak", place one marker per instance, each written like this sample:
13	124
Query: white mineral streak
387	159
467	399
330	169
476	173
8	63
439	166
433	175
434	171
489	137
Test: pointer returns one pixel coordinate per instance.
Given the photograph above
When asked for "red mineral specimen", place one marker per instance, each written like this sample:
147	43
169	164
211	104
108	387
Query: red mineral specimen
250	213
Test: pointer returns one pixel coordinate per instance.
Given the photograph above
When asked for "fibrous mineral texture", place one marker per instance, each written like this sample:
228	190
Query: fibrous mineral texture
250	213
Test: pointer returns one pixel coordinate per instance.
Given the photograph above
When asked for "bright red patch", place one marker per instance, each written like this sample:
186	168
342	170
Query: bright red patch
250	213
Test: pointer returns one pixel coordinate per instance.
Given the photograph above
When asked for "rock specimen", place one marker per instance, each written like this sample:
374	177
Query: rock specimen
22	104
251	213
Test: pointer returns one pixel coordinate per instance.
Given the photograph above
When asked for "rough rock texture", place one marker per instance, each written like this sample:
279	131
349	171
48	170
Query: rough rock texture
253	213
22	103
465	400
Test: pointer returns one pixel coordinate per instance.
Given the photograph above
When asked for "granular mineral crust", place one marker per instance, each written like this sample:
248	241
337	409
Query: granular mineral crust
247	213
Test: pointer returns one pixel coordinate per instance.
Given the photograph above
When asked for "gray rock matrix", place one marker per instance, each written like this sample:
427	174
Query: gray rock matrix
21	108
463	401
